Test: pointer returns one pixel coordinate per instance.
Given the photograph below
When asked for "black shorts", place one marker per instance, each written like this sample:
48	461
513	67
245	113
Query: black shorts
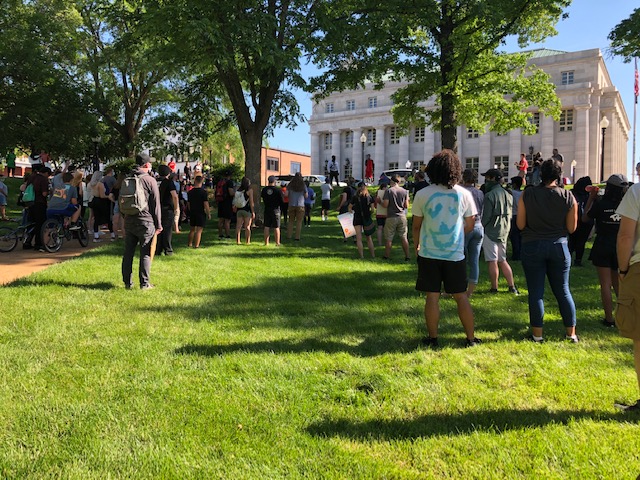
326	204
380	221
433	273
224	210
603	255
197	220
272	218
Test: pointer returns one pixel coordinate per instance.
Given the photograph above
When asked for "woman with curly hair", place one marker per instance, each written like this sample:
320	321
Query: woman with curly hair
443	213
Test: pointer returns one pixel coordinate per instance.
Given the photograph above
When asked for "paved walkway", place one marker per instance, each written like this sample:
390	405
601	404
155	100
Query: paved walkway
20	263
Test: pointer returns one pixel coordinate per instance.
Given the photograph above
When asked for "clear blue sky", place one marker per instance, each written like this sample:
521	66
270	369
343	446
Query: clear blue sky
587	27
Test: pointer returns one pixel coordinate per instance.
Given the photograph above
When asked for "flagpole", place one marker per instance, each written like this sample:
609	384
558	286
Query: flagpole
636	87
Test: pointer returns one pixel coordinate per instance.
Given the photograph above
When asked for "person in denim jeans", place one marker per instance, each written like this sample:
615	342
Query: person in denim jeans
473	239
547	214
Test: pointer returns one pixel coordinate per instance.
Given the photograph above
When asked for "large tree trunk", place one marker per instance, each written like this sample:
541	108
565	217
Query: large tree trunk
252	143
448	119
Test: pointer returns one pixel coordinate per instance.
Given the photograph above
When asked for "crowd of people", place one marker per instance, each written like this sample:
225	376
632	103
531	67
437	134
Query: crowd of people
453	220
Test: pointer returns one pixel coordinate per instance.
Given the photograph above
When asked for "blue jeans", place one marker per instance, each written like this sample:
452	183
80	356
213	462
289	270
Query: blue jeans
548	258
472	245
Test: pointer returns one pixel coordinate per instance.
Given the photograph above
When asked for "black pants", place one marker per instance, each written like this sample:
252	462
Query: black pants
38	214
143	234
164	239
578	239
333	175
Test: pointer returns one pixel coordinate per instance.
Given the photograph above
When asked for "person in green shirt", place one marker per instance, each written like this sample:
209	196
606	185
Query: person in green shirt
11	164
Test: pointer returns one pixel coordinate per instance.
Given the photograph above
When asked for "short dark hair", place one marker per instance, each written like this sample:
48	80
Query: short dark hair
445	169
550	170
470	176
67	177
516	182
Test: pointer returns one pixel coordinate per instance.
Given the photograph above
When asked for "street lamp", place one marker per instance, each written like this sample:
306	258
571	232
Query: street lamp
363	139
604	123
96	159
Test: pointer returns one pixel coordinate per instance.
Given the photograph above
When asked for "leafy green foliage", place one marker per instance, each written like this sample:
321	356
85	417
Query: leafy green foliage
446	56
625	37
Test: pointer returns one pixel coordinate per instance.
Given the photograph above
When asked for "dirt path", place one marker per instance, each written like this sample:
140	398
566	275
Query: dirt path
20	263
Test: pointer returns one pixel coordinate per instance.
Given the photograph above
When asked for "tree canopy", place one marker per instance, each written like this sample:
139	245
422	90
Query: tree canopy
449	54
625	37
250	48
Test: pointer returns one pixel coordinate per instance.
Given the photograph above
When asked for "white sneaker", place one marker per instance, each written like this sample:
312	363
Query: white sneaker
96	240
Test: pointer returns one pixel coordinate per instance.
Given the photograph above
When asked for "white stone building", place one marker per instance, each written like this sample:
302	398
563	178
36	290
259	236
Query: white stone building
583	86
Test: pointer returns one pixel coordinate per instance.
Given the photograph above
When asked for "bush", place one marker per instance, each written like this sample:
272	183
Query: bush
219	170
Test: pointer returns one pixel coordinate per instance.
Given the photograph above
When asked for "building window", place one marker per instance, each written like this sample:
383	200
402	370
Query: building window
328	141
273	164
502	164
328	108
472	162
351	104
394	138
566	121
373	102
295	167
471	133
393	165
371	137
534	119
567	77
418	135
417	165
348	140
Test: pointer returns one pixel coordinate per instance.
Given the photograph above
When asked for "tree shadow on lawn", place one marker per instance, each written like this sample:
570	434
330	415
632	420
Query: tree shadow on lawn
492	421
30	282
369	347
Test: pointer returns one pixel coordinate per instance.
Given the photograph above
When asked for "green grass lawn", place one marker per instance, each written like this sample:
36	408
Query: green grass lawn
299	362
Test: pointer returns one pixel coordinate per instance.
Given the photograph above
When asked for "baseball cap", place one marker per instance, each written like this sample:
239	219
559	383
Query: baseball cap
493	172
271	179
618	180
142	159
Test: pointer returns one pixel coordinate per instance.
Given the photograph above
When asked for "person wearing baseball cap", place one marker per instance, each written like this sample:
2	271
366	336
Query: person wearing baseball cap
496	220
601	210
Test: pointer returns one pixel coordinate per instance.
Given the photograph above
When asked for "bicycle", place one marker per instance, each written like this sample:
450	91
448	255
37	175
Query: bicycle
55	230
9	237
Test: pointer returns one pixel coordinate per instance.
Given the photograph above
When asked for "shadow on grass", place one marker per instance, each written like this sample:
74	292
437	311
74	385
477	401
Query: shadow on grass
369	347
493	421
28	282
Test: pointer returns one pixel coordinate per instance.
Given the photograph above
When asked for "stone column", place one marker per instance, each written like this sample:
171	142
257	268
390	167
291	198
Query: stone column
581	145
379	159
317	163
515	149
404	151
547	136
356	151
429	145
484	152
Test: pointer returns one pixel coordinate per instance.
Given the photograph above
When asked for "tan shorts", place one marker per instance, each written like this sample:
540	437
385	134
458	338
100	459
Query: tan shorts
395	225
628	311
494	251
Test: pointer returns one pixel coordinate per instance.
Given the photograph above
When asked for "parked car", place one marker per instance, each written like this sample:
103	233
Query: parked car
402	173
315	179
282	180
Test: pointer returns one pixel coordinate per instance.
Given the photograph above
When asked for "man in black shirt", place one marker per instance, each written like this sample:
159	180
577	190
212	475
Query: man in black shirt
169	205
272	199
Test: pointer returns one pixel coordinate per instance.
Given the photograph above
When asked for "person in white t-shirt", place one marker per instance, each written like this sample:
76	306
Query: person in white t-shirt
326	198
442	213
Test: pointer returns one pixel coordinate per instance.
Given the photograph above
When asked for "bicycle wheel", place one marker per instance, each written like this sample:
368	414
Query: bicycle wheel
83	234
8	239
52	235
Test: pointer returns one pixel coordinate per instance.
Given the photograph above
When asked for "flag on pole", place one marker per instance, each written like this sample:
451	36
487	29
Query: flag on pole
636	85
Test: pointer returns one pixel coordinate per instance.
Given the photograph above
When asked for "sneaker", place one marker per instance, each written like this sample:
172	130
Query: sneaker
148	286
406	259
628	408
606	323
41	249
96	240
128	286
514	290
431	343
74	226
472	343
573	339
493	290
531	339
